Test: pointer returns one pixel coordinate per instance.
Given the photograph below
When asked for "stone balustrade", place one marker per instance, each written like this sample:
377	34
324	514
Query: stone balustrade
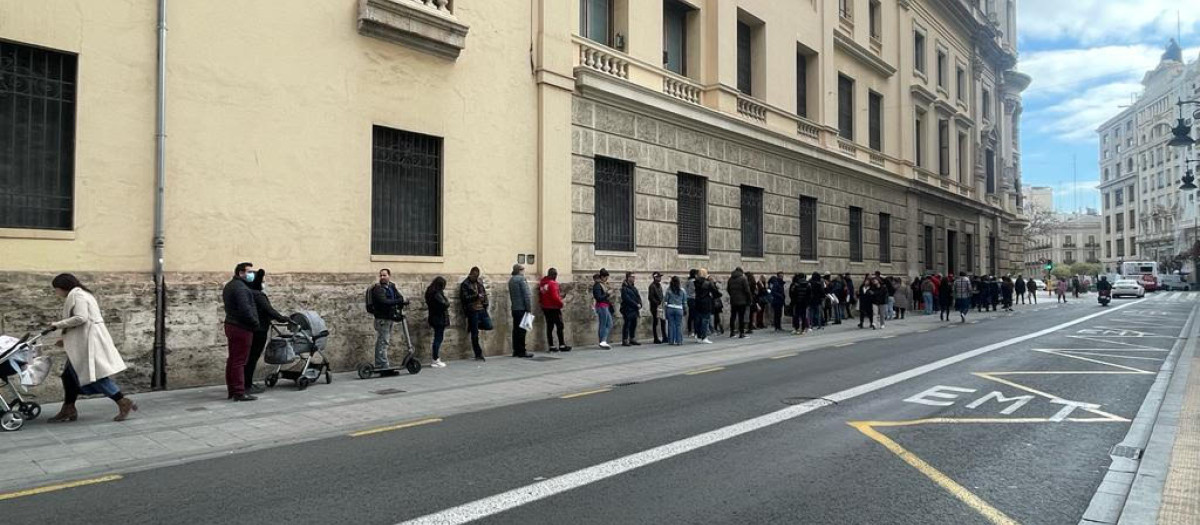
684	90
750	109
847	147
807	128
603	61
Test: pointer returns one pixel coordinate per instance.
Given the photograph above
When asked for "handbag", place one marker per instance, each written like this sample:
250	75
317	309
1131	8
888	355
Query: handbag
527	322
485	322
279	351
37	371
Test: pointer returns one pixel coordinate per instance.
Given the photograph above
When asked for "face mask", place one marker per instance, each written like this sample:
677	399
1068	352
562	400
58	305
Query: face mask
249	277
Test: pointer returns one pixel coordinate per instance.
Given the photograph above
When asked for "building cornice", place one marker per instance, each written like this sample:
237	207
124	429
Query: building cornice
863	55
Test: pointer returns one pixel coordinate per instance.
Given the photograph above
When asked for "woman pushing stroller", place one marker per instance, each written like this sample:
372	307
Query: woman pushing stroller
92	359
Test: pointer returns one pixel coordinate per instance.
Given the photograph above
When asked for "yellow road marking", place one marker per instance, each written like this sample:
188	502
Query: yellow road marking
785	356
588	393
57	487
390	428
958	491
705	371
1090	360
1097	354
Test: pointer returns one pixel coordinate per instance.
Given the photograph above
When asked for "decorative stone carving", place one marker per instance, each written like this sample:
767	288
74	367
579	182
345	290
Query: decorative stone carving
424	25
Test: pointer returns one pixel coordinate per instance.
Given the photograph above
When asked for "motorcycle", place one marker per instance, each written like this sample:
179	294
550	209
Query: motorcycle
1105	297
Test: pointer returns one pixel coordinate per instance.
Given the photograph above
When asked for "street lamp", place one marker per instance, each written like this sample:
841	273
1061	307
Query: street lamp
1182	132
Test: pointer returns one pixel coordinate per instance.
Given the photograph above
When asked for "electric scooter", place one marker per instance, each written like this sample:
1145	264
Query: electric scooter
409	362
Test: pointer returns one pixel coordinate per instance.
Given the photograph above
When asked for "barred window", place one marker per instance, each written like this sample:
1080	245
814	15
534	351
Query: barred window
885	238
614	205
37	138
752	221
693	215
808	229
856	248
406	188
929	247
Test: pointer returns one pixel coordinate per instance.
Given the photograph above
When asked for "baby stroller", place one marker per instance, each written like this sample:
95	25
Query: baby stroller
305	343
15	356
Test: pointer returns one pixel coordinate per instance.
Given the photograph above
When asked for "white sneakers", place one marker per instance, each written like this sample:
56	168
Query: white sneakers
605	345
437	364
706	341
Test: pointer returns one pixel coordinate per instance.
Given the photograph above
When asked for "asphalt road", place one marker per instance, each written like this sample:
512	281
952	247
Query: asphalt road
714	447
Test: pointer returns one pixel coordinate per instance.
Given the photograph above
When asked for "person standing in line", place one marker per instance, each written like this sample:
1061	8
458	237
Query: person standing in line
883	300
604	307
914	291
851	295
439	316
996	291
705	296
977	293
386	302
1031	288
690	290
676	302
762	298
866	302
241	321
1019	289
927	292
889	287
827	302
657	319
816	300
718	306
551	299
1061	290
473	296
778	294
945	298
1006	293
92	358
521	302
266	312
902	299
962	295
838	288
740	295
631	307
798	293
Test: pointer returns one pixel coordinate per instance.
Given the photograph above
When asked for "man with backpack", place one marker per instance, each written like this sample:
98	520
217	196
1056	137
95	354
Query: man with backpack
385	303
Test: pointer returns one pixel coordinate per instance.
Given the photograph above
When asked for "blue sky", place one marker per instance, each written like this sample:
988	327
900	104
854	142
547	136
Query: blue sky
1087	58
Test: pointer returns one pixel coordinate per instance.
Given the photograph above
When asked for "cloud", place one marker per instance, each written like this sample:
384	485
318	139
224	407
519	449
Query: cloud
1075	119
1107	21
1066	70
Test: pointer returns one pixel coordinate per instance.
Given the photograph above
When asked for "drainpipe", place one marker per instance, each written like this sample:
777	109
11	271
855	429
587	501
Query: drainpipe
158	379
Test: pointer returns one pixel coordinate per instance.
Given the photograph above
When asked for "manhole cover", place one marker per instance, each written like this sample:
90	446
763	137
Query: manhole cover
388	391
1123	451
543	358
630	383
801	400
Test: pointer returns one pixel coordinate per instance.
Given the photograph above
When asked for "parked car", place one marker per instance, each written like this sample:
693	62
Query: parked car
1174	282
1149	282
1128	287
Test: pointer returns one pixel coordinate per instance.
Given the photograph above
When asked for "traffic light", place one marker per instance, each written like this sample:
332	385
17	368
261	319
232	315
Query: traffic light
1049	265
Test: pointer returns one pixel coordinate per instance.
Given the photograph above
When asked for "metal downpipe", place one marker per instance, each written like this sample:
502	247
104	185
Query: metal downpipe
158	379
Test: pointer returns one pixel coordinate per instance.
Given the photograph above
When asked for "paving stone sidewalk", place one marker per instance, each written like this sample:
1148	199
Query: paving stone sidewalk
1181	494
184	425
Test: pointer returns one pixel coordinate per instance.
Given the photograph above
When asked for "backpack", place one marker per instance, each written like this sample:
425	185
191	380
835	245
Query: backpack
370	299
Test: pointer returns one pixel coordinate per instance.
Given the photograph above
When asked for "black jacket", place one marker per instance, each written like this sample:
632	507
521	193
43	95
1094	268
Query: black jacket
816	292
739	290
631	299
706	296
1020	286
262	306
799	292
656	295
240	309
385	308
439	308
472	295
600	293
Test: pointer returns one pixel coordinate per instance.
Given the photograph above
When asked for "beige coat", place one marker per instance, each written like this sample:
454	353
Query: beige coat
85	338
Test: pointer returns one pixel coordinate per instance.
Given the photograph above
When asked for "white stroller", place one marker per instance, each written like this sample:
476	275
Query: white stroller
16	358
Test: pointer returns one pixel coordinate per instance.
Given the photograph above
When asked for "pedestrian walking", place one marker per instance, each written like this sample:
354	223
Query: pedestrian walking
676	304
385	305
439	316
962	295
473	297
92	358
866	302
241	321
1019	289
1031	287
258	343
1075	286
1061	289
551	298
520	303
798	292
631	307
945	298
778	290
706	295
604	307
902	299
927	292
657	319
740	295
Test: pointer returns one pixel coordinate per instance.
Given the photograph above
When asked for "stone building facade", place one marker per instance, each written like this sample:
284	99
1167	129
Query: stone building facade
1073	238
431	136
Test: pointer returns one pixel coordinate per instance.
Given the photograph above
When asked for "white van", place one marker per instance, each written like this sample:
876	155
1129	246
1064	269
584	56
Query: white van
1174	282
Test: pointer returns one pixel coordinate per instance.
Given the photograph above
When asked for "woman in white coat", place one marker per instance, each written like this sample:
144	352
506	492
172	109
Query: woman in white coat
91	356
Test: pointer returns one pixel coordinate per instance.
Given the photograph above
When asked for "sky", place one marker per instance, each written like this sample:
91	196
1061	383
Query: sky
1087	59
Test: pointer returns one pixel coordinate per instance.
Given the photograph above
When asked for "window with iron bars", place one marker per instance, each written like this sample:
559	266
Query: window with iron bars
614	205
808	229
885	238
752	221
406	188
693	214
856	248
37	137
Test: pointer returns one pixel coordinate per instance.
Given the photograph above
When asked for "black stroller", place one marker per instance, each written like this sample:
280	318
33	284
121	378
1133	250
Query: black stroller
13	360
305	343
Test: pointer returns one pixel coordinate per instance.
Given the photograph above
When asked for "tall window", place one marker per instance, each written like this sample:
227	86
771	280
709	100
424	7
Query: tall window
595	20
752	221
960	83
802	84
745	58
919	51
406	187
1108	249
875	120
944	147
856	240
919	139
808	228
846	9
969	264
941	69
1120	222
885	238
987	104
992	256
1107	202
1132	246
928	247
1120	247
846	107
989	166
37	138
675	38
1108	225
876	14
614	205
964	166
693	215
1119	197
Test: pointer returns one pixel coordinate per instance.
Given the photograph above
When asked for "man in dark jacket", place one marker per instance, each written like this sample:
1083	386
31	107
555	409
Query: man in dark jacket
386	306
778	290
657	321
816	301
740	296
631	306
241	320
706	297
521	302
1019	286
473	297
798	292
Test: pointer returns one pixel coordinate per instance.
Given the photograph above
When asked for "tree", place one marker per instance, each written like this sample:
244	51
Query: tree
1062	272
1042	223
1084	268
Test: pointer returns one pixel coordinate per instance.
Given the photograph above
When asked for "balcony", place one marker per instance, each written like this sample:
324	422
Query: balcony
1069	246
424	25
1092	245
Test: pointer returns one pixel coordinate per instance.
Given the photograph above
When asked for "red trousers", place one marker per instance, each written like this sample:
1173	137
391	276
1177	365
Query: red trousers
239	350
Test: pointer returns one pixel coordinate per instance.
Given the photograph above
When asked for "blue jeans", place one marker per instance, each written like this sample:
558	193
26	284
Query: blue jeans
439	333
891	307
963	305
606	321
703	325
674	325
928	302
814	316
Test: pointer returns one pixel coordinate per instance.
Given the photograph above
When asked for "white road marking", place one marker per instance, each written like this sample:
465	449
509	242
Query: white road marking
512	499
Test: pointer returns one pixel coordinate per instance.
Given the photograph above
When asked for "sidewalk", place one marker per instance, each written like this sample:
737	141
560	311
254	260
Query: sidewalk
1181	493
185	425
